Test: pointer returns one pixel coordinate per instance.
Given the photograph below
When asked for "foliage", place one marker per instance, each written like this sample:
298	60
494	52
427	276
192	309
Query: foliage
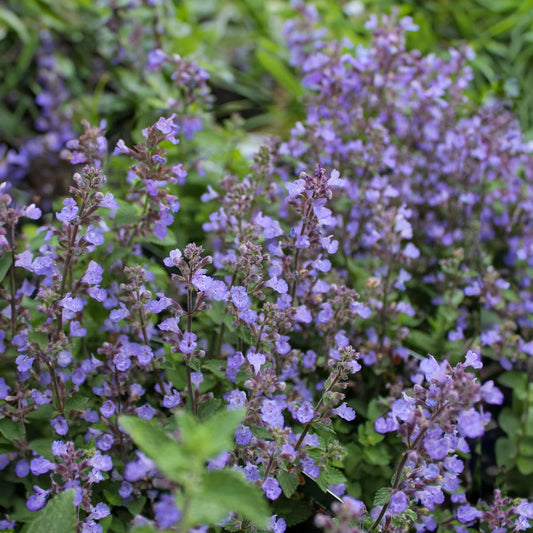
196	338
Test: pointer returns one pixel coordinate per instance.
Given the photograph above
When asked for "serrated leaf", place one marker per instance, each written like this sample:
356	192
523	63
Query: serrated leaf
5	263
288	483
293	511
377	455
126	215
113	497
156	444
208	408
135	506
42	447
225	491
58	515
11	430
382	496
209	438
215	367
43	412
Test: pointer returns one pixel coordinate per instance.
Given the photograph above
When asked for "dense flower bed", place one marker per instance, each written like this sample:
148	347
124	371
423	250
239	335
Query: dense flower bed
325	352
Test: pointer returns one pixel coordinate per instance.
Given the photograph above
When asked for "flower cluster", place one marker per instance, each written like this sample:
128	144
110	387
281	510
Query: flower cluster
392	222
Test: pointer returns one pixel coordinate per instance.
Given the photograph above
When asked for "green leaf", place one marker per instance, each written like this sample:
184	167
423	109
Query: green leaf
505	452
135	506
525	465
514	380
223	491
207	408
293	511
144	529
215	367
209	438
42	447
58	515
382	496
288	483
279	72
5	263
156	444
126	215
508	421
377	455
8	18
10	430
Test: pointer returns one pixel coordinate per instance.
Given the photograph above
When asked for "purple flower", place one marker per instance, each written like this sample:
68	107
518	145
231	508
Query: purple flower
277	525
68	212
271	413
304	413
32	212
437	448
491	394
105	442
24	363
107	409
257	360
188	343
146	411
310	468
171	400
303	315
22	468
93	274
173	259
279	285
125	489
470	423
236	399
122	361
101	462
166	512
472	359
40	465
398	502
271	488
155	58
170	324
109	201
271	228
243	435
467	513
76	330
60	425
240	298
38	500
136	470
99	511
345	412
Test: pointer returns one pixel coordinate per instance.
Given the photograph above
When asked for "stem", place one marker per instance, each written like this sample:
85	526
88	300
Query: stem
60	405
12	284
398	474
192	398
147	342
318	406
182	524
384	313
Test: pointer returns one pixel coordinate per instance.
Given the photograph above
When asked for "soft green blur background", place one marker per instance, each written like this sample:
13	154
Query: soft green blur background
102	47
